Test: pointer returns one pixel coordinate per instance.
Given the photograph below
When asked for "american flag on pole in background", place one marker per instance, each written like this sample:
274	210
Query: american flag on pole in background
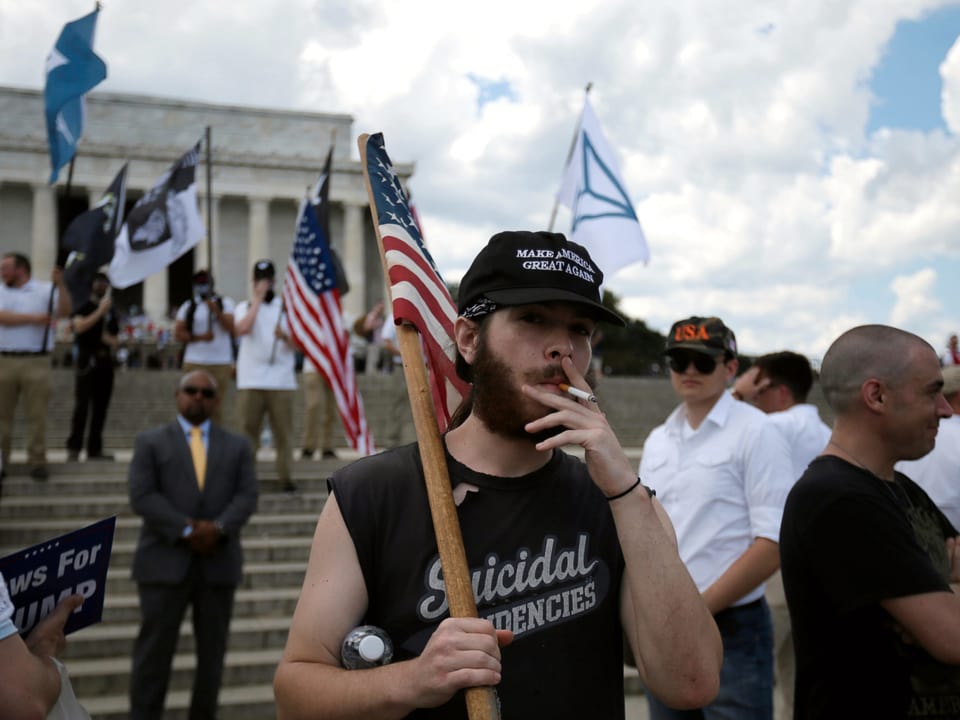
315	316
420	296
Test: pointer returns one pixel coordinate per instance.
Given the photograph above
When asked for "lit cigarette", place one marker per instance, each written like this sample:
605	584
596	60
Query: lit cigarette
577	393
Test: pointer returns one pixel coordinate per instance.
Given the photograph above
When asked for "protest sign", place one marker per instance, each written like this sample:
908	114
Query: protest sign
39	577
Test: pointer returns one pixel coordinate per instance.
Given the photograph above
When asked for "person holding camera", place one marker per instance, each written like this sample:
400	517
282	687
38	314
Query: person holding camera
204	325
266	374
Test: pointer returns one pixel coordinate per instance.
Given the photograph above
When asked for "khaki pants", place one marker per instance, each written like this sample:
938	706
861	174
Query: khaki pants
784	665
317	398
27	375
222	375
277	405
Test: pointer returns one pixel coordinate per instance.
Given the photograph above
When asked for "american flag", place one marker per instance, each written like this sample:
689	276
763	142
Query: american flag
420	296
316	324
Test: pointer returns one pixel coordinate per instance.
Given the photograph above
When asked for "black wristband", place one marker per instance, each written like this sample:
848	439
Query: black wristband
650	491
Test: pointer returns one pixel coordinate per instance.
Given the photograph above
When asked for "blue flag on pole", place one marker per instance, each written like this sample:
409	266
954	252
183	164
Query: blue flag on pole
73	69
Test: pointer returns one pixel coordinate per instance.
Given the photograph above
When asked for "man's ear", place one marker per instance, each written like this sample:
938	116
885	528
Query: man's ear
873	393
731	365
467	335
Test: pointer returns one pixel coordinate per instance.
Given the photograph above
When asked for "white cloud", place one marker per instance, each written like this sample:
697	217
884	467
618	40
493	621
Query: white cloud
740	128
915	297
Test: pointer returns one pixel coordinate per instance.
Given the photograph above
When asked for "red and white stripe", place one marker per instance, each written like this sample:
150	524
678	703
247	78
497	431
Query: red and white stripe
421	298
316	325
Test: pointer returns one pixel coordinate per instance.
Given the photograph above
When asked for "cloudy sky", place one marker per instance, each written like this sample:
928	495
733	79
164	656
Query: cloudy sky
795	165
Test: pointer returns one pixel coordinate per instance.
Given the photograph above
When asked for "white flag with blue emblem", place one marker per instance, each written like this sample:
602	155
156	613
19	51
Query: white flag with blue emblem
602	217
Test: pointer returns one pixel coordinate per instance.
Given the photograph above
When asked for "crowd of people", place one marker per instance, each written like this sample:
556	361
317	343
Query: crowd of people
757	550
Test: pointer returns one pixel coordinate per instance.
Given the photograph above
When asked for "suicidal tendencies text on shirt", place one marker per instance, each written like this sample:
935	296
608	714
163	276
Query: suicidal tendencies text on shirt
563	261
531	592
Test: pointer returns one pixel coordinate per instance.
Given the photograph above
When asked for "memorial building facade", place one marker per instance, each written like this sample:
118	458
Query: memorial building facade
262	163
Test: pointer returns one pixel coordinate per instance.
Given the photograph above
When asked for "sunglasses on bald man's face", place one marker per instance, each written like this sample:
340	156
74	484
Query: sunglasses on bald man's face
679	362
191	390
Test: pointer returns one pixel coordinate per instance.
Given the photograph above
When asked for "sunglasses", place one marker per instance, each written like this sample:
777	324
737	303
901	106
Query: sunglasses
680	361
208	393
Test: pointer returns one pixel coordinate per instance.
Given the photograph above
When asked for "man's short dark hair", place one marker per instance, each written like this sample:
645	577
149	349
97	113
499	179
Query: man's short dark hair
20	260
789	369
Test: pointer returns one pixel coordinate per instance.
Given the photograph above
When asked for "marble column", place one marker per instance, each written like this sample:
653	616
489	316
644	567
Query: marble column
354	260
155	296
217	244
258	243
43	244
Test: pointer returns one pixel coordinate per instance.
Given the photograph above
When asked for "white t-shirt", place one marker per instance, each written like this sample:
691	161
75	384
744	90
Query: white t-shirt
723	485
255	370
218	351
389	332
806	434
31	297
7	628
938	472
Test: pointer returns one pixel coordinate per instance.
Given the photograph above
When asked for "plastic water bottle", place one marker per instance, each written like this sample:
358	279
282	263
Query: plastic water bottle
366	646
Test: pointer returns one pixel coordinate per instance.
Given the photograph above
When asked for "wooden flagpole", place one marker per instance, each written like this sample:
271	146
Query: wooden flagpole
482	703
573	144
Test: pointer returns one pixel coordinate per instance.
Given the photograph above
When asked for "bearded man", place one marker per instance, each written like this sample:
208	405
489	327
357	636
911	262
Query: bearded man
566	556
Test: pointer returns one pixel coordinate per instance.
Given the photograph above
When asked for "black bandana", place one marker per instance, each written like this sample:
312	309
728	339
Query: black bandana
480	307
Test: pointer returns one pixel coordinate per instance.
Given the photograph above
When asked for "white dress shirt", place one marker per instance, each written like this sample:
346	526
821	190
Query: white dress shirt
723	485
806	434
31	297
938	472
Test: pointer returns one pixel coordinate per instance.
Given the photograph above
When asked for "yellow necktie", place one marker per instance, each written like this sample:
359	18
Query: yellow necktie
199	454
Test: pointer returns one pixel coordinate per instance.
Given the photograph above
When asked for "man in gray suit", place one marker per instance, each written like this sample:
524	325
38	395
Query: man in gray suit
193	483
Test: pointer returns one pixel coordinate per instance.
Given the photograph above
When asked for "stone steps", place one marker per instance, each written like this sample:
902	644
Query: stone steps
242	668
23	533
276	544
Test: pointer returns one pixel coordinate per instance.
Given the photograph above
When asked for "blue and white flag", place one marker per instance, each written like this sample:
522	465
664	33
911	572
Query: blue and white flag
163	225
603	219
73	69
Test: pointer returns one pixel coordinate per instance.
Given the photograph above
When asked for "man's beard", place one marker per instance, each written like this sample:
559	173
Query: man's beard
499	403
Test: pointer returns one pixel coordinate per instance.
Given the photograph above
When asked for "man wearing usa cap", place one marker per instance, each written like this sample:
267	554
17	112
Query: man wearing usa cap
722	471
266	375
565	556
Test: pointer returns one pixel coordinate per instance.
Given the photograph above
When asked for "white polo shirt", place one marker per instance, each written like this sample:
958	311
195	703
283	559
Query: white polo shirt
723	485
255	371
218	351
938	472
31	297
806	434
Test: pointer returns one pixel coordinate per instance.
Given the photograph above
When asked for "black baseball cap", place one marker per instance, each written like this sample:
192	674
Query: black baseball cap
263	269
706	335
518	267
